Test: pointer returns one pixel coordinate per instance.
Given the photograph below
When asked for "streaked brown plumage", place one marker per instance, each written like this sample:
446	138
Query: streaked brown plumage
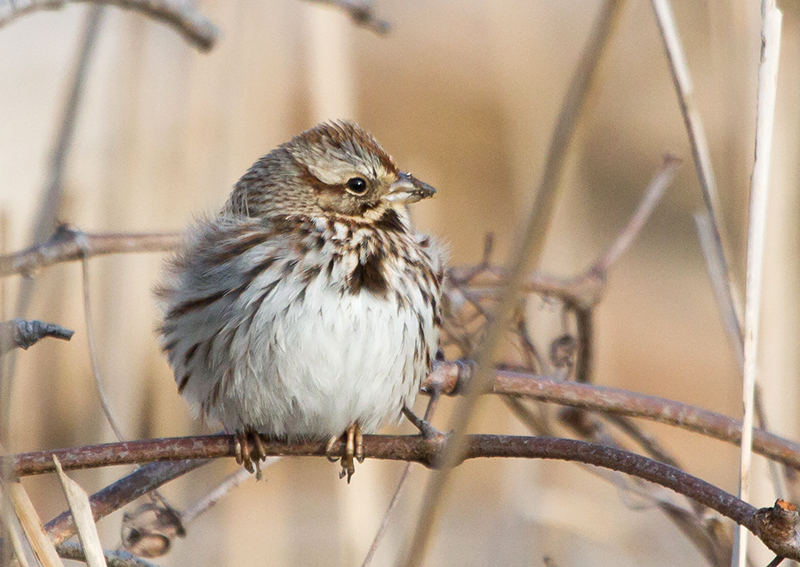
308	307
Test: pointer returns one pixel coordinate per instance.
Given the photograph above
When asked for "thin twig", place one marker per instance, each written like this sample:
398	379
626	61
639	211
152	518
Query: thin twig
50	205
584	290
526	254
68	244
19	333
98	380
697	139
361	13
765	121
632	404
183	17
584	320
719	283
661	180
230	482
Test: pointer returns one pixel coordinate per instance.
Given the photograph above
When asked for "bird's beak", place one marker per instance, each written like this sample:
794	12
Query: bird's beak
408	189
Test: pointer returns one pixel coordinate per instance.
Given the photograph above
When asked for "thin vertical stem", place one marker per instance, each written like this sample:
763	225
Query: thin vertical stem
50	205
765	121
51	200
697	139
527	253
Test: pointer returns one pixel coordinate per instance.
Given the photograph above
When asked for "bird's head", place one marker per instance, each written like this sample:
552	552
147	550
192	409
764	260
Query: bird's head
333	169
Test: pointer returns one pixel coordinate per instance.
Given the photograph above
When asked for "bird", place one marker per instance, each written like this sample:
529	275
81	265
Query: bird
309	307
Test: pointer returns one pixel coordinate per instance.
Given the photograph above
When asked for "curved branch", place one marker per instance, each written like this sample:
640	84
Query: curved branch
451	377
183	18
770	524
632	404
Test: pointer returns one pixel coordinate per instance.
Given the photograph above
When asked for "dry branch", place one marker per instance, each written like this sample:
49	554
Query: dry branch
113	497
68	244
770	526
181	16
507	383
756	234
632	404
20	333
684	89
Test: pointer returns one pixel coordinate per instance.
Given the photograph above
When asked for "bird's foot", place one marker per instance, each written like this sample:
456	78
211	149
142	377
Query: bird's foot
250	450
353	450
427	430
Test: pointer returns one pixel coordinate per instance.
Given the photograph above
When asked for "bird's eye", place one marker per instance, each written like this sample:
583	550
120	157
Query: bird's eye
356	186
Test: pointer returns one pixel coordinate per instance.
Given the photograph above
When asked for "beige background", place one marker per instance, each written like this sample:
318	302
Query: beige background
464	94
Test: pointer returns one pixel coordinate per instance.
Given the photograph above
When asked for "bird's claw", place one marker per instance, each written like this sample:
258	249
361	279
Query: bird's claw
250	450
353	451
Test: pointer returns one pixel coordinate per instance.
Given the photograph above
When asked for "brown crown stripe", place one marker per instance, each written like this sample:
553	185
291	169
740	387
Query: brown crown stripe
340	134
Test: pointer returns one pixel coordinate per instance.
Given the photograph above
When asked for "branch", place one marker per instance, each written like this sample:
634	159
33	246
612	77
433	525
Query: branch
451	378
182	17
773	525
69	244
756	234
20	333
584	290
126	490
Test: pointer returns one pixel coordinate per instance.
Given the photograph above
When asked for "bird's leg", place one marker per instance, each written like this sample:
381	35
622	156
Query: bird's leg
427	430
359	443
250	450
353	450
354	440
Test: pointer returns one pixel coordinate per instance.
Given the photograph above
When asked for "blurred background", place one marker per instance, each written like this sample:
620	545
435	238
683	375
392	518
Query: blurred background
464	94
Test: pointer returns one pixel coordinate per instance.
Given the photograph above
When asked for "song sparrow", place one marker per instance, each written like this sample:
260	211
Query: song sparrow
308	307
